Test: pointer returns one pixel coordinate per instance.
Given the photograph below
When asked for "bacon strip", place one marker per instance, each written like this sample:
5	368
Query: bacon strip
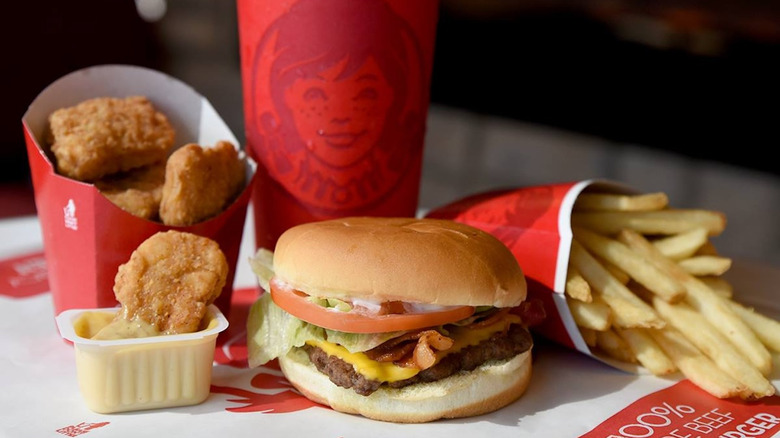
412	349
417	349
490	320
424	357
531	311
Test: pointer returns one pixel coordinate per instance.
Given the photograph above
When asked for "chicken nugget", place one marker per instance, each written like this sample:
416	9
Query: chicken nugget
138	191
200	182
170	280
107	135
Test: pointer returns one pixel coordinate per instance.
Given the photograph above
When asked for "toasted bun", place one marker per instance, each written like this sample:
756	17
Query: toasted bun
432	261
485	389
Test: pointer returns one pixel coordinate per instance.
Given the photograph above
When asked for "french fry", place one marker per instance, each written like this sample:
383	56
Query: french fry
767	329
716	346
647	351
589	336
696	366
576	286
619	274
708	303
661	222
627	309
632	263
609	342
645	260
719	285
595	315
610	201
682	245
642	292
701	265
707	249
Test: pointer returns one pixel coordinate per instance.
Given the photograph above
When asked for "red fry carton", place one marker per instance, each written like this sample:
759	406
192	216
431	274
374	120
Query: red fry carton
86	237
535	223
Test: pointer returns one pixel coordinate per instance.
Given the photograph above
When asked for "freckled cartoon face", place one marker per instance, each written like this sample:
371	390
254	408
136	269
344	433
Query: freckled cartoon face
341	119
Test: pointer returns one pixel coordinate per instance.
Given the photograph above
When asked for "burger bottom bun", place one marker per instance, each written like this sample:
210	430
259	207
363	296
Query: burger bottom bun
485	389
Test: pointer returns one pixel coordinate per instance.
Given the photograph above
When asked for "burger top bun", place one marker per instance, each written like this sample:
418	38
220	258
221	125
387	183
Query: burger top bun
431	261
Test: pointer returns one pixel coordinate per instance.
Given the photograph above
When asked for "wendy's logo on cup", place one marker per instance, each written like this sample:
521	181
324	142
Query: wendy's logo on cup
338	102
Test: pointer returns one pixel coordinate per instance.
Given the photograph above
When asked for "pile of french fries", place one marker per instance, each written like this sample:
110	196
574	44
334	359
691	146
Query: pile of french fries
645	286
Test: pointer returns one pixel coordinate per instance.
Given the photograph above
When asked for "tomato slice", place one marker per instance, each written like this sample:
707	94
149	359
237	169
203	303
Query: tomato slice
297	304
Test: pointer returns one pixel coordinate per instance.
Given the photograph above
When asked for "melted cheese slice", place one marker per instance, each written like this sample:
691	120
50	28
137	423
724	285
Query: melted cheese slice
389	372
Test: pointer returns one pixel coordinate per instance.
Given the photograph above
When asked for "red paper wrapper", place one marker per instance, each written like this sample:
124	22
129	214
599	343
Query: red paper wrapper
86	237
535	224
336	95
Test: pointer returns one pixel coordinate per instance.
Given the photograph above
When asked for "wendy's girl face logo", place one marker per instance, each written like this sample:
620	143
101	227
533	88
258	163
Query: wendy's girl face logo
338	100
340	119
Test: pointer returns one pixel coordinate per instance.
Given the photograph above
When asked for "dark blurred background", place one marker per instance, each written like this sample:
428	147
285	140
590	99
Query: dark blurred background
699	79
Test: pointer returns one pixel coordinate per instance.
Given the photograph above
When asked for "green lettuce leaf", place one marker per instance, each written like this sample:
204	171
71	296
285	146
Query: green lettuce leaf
262	264
272	332
356	342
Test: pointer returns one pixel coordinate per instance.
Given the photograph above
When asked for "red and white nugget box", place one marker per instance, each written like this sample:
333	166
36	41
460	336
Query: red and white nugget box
535	223
86	237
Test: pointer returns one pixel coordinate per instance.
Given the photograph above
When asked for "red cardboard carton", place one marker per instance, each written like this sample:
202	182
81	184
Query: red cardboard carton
86	237
535	223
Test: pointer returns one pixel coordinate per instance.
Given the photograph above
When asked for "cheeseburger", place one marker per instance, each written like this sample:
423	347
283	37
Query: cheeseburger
396	319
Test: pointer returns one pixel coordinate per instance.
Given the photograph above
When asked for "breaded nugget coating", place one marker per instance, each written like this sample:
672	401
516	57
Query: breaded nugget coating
138	191
106	135
200	182
170	280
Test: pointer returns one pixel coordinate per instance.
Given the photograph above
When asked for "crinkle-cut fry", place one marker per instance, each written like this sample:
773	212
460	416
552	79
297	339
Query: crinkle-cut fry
609	342
649	354
632	263
696	366
766	328
627	309
620	202
701	265
589	336
719	285
661	222
710	341
596	315
682	245
708	303
576	286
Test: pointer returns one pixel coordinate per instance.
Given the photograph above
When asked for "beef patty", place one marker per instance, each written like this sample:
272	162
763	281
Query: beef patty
500	346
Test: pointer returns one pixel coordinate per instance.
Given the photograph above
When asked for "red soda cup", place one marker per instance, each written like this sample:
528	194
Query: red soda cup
336	96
